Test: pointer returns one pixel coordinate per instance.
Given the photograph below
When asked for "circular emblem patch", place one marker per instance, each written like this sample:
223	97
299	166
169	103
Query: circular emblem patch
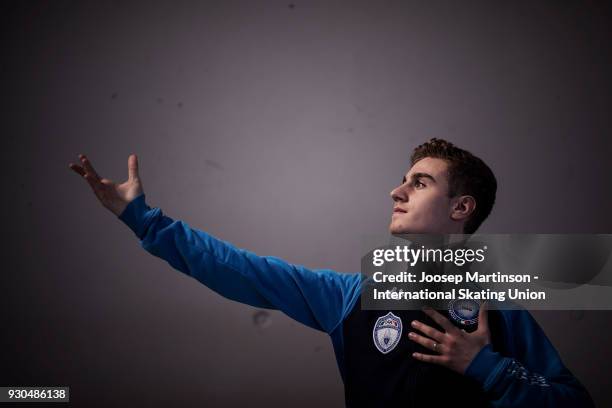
464	311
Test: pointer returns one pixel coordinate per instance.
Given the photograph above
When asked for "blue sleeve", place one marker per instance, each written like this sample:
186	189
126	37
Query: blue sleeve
533	377
316	298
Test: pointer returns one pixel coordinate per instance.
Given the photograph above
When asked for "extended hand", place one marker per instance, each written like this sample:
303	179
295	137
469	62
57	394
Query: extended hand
113	196
456	348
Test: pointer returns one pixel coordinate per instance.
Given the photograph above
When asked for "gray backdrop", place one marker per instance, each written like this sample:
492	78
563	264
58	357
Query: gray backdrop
280	127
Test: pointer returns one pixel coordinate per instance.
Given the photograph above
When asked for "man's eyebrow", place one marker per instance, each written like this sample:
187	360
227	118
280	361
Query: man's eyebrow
417	176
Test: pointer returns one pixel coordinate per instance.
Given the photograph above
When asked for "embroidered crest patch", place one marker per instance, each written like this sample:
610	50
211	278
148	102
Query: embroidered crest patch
464	311
387	332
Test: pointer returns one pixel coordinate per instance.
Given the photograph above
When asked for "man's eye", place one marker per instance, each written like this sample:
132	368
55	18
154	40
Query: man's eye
418	184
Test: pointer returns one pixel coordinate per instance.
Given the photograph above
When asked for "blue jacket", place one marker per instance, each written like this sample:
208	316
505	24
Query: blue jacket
531	374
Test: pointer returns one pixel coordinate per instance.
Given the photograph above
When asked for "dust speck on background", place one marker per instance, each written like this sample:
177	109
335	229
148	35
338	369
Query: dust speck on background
261	319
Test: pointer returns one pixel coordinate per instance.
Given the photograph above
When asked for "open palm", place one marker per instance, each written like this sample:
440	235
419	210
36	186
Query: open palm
112	195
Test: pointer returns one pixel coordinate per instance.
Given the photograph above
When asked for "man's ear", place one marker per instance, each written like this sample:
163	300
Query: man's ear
462	207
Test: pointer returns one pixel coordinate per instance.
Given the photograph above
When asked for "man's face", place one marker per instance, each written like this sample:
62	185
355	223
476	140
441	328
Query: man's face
423	195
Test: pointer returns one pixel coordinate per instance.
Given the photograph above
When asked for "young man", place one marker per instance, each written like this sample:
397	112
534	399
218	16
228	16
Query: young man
506	361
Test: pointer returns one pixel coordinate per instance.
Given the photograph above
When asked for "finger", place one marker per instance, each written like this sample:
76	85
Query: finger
133	167
483	317
88	166
426	342
428	330
77	169
440	319
94	183
91	180
428	358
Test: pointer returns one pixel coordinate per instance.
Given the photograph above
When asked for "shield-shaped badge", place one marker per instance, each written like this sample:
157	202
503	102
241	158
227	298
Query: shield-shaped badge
387	332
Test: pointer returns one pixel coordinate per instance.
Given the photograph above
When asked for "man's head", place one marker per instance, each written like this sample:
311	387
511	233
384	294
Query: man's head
447	190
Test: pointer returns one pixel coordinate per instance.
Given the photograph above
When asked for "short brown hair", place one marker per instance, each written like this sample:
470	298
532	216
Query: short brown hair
467	175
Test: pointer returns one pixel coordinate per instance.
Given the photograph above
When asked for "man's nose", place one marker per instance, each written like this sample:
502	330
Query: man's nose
398	194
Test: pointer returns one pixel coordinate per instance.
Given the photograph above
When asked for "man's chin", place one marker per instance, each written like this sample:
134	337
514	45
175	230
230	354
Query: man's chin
399	230
395	229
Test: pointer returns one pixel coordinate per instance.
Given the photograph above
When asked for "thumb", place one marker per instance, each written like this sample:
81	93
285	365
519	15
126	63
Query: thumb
133	167
483	318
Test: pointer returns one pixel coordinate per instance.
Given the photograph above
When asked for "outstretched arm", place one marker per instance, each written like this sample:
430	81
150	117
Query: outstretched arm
316	298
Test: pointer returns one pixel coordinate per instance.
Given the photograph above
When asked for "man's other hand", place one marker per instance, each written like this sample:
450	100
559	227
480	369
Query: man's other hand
113	196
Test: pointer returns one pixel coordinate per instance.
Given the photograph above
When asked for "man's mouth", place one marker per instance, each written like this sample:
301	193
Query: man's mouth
398	210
